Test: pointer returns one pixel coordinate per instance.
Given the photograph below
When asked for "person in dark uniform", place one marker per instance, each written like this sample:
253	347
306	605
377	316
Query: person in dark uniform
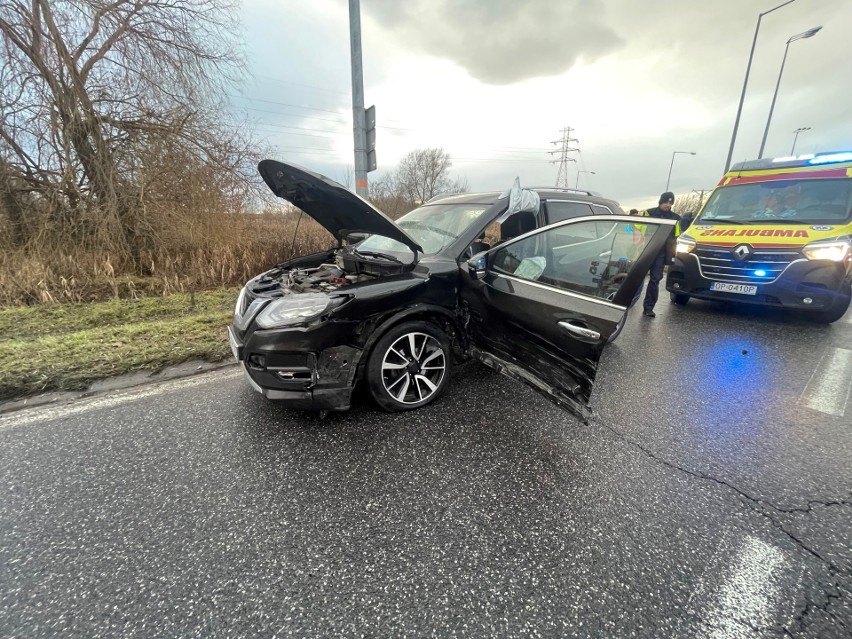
662	210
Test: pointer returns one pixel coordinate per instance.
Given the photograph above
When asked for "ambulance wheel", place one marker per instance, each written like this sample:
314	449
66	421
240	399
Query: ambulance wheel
836	310
679	298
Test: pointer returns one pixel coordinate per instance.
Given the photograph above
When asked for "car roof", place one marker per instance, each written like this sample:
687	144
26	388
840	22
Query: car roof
544	192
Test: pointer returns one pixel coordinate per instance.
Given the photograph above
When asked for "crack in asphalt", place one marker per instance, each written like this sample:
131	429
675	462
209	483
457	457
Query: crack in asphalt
759	506
801	617
811	504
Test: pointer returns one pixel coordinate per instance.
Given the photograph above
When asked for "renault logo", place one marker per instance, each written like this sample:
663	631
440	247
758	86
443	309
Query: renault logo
742	252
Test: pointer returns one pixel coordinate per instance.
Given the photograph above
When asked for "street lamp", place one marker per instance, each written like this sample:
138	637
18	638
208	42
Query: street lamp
745	84
577	183
674	153
796	137
810	33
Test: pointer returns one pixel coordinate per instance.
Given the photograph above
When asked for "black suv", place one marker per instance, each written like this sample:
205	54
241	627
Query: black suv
533	282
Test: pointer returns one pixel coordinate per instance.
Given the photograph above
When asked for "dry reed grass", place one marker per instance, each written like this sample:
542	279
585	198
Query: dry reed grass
229	250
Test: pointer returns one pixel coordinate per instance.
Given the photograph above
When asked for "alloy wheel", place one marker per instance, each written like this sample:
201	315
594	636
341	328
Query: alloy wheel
413	368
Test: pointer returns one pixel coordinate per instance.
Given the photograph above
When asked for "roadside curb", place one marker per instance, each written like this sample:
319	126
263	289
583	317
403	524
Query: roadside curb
120	382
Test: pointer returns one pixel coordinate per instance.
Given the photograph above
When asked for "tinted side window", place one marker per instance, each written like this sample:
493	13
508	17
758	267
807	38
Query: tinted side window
567	258
603	210
560	211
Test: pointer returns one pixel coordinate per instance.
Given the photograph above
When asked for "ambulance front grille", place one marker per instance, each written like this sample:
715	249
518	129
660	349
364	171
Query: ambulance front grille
719	264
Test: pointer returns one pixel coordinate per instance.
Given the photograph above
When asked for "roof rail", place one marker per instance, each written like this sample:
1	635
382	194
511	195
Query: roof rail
565	189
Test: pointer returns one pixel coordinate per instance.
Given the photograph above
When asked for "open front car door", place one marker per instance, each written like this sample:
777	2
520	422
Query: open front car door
543	305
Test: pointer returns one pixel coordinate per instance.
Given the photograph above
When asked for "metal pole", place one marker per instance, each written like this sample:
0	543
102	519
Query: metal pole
670	171
810	33
577	183
745	84
359	127
774	97
796	137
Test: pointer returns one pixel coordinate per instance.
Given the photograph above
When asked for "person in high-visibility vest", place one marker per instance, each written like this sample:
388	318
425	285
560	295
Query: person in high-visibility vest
664	211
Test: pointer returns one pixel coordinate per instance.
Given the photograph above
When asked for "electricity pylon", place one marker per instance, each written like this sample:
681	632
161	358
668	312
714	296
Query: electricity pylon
562	175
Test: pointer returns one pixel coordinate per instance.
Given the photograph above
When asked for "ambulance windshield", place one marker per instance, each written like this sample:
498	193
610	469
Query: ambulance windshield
806	201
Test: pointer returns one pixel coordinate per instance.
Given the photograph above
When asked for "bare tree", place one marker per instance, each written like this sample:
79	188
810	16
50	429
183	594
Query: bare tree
688	203
424	173
347	177
104	100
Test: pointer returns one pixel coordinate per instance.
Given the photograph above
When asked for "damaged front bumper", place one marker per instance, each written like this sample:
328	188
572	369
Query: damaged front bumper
297	377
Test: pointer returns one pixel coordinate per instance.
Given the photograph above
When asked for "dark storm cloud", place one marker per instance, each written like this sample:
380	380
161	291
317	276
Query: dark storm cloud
501	41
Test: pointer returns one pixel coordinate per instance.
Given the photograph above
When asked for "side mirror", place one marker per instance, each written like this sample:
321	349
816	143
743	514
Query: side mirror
477	265
354	238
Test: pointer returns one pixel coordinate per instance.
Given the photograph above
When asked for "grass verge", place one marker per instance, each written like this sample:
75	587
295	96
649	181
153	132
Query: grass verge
69	346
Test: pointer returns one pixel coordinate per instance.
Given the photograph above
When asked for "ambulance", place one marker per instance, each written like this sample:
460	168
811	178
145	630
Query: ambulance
774	232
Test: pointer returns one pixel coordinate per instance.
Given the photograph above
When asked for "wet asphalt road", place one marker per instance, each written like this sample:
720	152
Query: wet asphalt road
710	496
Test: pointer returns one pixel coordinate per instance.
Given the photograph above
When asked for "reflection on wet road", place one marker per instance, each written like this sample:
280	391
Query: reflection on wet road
709	496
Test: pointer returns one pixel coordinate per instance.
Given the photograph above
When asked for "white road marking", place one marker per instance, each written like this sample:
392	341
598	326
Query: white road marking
44	414
828	389
748	596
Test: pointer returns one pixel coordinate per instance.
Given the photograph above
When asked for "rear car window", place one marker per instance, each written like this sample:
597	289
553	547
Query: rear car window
558	211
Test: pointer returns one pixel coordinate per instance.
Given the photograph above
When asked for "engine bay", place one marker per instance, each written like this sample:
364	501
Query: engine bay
347	268
322	279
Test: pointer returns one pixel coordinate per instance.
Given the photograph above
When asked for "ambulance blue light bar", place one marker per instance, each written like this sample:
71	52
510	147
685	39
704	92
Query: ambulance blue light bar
792	161
829	158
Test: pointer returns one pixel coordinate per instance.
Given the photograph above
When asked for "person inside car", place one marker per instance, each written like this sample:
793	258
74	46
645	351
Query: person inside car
779	204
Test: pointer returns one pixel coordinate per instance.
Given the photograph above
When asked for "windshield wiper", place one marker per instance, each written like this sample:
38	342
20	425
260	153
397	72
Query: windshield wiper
383	256
715	221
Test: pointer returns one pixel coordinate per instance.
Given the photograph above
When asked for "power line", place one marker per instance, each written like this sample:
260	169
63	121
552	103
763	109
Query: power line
300	84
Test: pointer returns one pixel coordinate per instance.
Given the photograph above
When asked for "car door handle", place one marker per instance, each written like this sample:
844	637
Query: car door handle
579	330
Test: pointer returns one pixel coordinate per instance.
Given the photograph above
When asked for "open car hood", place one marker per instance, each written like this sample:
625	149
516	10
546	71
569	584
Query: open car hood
336	208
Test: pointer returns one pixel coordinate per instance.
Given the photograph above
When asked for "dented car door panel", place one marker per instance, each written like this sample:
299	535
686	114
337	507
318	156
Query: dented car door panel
536	318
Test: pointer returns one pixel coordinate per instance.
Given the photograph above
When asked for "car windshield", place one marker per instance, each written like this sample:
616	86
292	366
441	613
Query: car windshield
807	201
434	227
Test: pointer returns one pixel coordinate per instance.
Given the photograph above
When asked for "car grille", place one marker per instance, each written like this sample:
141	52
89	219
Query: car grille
719	264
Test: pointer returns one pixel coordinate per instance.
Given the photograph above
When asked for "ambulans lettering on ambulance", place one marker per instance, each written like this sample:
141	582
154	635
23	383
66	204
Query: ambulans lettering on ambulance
775	232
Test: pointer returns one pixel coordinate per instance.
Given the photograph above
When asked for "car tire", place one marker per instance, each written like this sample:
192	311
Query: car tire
679	298
836	310
618	328
409	367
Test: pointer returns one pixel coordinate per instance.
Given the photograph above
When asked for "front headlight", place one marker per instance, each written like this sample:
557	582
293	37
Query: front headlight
684	245
295	309
238	309
832	251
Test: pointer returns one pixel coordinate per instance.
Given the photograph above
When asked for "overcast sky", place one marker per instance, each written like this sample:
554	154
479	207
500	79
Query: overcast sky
495	81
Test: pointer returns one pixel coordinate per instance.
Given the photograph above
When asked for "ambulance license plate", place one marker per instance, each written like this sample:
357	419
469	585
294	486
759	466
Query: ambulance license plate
742	289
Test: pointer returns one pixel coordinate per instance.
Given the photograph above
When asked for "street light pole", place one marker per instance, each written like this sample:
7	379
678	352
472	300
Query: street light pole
577	183
745	84
674	153
799	36
359	116
796	137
